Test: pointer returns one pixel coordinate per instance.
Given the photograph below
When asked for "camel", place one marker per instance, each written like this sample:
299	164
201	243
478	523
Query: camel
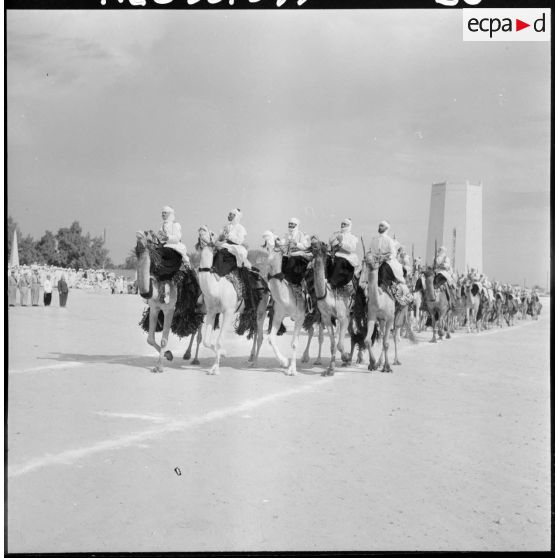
535	307
472	304
524	306
509	308
333	306
288	303
150	288
498	309
437	305
221	299
381	309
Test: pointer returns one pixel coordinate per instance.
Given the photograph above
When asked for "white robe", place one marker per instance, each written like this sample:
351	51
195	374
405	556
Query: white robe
235	232
385	248
346	247
173	231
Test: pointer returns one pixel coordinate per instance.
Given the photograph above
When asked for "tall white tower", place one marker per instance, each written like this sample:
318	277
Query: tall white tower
456	223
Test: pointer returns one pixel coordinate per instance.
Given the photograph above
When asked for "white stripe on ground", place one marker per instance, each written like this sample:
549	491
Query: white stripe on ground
75	363
70	364
153	418
71	456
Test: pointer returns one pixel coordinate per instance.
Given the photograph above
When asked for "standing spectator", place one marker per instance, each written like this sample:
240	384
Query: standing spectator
47	286
62	291
35	288
23	285
12	288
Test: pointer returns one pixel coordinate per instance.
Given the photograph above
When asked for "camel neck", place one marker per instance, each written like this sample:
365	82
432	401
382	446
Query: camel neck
373	292
206	257
429	287
143	268
275	262
319	276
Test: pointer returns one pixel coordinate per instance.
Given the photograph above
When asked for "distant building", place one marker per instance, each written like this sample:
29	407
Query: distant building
456	223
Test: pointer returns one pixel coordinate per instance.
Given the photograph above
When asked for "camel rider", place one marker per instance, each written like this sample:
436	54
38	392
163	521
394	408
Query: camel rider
384	249
487	288
170	233
297	256
231	253
534	295
442	266
343	246
405	261
170	237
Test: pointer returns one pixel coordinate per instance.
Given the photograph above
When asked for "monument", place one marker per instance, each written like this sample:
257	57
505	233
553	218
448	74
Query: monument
456	222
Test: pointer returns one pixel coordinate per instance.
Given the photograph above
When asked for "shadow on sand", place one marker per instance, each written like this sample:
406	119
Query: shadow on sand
265	364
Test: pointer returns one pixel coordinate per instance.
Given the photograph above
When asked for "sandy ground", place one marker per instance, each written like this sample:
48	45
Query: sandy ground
451	452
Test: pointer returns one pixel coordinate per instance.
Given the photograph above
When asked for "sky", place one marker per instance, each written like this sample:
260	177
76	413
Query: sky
318	114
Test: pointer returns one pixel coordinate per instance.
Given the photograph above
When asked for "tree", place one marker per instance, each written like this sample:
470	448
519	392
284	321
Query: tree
47	249
28	252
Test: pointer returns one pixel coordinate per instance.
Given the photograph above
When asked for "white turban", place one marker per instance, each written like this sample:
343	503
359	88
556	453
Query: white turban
384	224
268	235
204	228
236	212
294	220
347	222
167	209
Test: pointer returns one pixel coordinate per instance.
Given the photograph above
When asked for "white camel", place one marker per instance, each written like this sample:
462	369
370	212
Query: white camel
288	303
220	298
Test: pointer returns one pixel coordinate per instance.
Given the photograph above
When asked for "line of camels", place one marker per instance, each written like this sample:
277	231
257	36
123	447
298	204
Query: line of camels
367	318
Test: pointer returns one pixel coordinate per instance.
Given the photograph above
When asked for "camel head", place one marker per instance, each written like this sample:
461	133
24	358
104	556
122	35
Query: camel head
141	243
317	247
271	243
373	262
205	238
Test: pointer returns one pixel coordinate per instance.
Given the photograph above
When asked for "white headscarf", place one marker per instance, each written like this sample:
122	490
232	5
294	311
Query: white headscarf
170	211
237	215
348	225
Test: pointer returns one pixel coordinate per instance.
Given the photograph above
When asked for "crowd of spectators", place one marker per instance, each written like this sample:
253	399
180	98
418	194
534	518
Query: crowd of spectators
26	283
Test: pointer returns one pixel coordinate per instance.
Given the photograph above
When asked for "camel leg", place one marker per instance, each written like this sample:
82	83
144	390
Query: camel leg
272	337
153	315
387	328
368	344
318	361
198	342
434	324
253	350
306	354
291	371
188	353
208	331
258	340
226	323
396	360
343	328
331	367
167	319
